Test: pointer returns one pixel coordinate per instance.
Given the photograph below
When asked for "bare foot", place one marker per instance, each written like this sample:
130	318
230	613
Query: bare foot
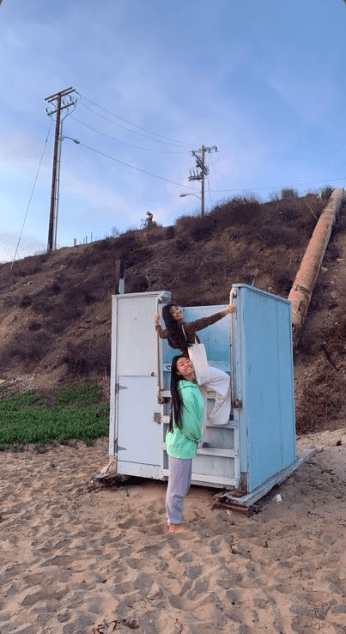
176	528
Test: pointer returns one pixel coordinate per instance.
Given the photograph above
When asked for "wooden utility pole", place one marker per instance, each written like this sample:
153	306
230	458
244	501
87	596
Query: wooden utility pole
57	100
202	169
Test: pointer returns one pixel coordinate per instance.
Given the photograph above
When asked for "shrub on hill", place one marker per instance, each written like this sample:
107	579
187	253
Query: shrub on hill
289	193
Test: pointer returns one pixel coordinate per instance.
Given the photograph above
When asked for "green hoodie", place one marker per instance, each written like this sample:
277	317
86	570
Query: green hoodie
182	443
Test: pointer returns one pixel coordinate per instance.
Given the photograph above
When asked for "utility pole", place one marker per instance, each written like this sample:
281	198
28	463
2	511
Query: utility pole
58	100
203	169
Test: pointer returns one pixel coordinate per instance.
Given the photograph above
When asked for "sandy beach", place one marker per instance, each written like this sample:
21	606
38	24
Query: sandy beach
83	559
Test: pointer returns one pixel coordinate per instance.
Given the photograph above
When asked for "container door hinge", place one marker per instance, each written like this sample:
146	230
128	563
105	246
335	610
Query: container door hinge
237	403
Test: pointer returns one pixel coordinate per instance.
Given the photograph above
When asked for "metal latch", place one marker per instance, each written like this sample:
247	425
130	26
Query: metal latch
157	417
119	387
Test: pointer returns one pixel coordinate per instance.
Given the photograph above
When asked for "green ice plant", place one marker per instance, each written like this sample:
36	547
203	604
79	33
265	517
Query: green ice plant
62	414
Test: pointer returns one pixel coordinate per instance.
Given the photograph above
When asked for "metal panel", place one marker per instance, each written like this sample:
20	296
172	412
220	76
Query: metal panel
267	426
136	337
134	354
139	436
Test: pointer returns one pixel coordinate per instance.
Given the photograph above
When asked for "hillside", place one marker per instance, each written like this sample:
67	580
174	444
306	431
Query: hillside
55	310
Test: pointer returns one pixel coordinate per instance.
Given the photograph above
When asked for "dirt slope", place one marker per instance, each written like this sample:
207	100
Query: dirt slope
55	310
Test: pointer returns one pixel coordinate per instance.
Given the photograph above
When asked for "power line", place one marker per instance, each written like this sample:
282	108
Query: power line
138	169
239	189
255	189
162	136
109	136
124	128
180	143
32	191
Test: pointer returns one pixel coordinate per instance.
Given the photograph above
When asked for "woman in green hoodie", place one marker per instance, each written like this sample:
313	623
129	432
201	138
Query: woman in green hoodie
184	433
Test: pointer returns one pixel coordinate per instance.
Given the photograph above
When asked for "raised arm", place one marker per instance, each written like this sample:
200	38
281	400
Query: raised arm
193	326
163	333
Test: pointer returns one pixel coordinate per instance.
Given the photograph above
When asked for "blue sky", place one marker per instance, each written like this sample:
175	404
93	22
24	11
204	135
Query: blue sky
265	82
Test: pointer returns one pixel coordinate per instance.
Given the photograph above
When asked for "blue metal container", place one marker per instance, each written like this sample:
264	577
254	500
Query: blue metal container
254	344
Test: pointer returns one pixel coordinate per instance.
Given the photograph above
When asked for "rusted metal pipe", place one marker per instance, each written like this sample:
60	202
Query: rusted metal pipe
303	285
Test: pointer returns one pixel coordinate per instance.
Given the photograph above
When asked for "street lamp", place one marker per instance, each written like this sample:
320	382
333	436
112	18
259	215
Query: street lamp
196	195
69	137
57	186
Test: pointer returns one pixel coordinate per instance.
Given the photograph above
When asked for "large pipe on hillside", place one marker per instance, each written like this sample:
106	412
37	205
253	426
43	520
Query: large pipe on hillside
303	285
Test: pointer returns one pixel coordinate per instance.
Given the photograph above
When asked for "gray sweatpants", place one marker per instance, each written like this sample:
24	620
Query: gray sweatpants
179	481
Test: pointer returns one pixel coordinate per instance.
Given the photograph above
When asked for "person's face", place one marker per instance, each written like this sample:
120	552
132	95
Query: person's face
176	312
185	368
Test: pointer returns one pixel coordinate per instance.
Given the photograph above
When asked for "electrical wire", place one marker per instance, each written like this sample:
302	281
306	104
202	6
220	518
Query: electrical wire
163	136
32	192
128	129
255	189
109	136
188	146
138	169
209	191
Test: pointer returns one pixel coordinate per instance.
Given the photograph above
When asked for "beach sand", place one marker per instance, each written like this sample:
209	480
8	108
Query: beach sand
77	558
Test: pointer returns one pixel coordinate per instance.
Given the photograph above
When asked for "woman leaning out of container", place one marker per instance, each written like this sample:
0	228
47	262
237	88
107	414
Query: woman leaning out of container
183	435
181	335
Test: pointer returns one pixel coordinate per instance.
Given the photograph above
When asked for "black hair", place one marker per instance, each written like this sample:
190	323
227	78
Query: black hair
176	338
177	401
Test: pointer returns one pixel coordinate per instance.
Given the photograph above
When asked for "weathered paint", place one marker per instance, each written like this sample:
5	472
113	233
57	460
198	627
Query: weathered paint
263	369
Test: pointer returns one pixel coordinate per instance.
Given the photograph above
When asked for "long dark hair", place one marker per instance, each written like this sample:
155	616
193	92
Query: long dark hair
176	337
177	401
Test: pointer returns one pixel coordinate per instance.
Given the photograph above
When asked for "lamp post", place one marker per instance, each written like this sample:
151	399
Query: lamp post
57	187
196	195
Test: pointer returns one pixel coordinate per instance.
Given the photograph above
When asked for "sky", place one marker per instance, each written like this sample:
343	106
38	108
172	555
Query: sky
264	82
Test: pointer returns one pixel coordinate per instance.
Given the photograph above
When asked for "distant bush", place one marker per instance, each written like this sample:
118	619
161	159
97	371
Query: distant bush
83	359
289	214
182	244
184	224
202	228
236	211
28	347
138	256
35	326
283	280
273	236
55	288
274	196
89	298
169	233
154	234
25	301
289	193
326	192
127	241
